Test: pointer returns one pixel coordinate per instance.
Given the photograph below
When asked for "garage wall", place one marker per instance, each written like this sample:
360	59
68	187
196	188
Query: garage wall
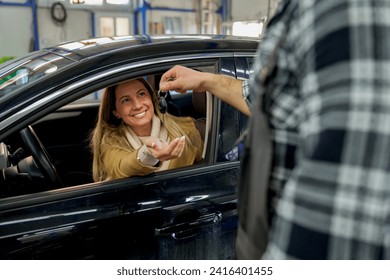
163	18
252	9
16	33
16	23
16	28
77	26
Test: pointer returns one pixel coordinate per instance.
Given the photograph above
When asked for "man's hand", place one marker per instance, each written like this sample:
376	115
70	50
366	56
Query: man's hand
181	79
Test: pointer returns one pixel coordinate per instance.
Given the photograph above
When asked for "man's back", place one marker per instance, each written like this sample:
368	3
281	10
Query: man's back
328	107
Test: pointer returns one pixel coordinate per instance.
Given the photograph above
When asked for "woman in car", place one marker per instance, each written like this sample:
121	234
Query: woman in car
132	137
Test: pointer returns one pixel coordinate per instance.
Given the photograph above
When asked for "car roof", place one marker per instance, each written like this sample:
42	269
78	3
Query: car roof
78	50
105	51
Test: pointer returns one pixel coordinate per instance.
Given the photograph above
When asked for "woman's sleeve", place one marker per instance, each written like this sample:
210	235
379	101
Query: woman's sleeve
196	140
122	163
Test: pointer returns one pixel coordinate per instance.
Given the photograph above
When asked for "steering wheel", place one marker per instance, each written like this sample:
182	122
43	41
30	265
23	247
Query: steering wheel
40	155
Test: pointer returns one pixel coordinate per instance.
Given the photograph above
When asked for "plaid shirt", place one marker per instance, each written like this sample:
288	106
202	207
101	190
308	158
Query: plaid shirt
329	113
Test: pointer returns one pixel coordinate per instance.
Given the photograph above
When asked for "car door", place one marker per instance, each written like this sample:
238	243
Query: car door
187	213
179	215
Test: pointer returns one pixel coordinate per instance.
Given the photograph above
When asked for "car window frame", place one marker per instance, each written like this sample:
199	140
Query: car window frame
211	153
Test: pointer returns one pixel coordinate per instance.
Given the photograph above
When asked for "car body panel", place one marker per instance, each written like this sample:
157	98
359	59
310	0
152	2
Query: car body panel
56	224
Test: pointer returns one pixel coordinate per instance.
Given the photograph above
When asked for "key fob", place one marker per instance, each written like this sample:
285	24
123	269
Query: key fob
162	102
162	105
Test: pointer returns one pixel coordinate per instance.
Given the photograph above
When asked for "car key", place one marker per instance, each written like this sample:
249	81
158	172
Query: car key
162	102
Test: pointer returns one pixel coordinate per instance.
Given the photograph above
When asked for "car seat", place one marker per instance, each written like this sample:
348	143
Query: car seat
199	102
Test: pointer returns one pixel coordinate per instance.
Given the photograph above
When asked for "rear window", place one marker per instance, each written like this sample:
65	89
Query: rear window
18	73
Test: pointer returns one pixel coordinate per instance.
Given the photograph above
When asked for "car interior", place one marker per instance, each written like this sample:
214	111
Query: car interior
54	152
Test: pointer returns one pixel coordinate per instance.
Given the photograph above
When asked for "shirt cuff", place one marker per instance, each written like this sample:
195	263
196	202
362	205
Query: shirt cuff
145	157
246	93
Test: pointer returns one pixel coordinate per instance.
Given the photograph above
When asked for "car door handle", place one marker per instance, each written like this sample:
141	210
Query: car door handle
188	228
47	234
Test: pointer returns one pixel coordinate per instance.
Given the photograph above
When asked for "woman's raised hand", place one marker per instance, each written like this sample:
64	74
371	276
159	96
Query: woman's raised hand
165	151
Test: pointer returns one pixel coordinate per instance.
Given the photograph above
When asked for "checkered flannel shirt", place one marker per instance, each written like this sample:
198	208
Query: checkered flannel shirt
329	114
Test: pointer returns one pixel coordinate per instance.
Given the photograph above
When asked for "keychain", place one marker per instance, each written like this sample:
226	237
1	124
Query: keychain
162	102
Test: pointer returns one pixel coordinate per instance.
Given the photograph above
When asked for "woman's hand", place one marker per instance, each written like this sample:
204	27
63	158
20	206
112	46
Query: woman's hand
165	151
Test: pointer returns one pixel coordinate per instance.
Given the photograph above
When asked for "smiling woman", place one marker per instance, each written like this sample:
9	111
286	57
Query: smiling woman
133	137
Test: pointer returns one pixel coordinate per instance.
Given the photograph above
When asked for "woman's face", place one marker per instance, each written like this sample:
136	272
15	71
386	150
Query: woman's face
134	105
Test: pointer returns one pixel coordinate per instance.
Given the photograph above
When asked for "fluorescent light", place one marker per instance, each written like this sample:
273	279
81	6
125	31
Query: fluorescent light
118	2
251	29
87	2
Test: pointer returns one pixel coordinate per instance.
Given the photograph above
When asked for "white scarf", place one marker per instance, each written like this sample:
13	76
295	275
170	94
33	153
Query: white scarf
159	131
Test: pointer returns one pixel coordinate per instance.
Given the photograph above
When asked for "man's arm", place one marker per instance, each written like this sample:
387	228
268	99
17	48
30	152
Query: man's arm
228	89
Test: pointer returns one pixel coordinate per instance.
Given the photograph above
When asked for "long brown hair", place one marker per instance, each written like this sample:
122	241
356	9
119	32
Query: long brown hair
107	122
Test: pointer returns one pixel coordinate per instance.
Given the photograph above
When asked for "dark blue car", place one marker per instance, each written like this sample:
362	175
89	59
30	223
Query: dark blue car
50	208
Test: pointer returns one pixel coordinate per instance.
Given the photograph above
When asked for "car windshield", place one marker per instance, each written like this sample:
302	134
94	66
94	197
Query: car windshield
19	73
